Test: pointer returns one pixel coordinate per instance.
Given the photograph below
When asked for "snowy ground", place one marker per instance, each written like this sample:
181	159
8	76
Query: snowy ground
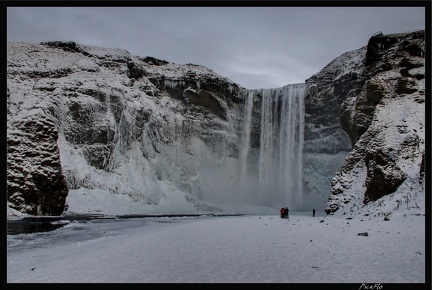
246	249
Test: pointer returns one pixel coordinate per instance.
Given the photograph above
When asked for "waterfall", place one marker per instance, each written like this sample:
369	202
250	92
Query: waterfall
244	148
266	155
279	158
291	144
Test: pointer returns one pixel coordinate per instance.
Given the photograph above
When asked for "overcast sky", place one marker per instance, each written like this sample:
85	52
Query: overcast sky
256	47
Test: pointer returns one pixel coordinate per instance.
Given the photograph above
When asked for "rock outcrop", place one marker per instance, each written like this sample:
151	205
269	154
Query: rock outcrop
327	142
35	180
386	124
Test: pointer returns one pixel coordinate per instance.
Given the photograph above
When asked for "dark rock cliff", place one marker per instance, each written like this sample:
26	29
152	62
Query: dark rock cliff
327	141
35	180
385	120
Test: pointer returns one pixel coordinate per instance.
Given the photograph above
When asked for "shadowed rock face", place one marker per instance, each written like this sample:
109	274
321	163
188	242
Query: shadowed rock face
35	181
383	175
326	138
326	95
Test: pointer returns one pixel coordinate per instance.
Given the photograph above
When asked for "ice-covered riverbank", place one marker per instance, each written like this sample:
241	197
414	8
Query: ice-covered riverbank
244	249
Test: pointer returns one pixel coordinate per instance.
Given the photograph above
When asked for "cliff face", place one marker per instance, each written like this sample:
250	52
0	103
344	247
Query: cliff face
86	123
326	140
118	124
385	120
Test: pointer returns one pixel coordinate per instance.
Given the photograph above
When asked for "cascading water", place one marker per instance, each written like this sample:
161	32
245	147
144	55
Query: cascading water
273	171
246	134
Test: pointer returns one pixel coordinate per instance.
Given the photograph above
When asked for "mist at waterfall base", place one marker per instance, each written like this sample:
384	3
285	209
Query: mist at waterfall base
270	155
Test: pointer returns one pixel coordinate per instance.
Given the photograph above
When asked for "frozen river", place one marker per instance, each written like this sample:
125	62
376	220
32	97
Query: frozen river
246	248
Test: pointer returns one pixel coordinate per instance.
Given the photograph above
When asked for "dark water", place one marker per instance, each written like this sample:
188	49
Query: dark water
15	228
36	224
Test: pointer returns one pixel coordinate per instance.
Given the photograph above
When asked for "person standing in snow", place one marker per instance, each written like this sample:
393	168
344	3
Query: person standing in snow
287	212
313	212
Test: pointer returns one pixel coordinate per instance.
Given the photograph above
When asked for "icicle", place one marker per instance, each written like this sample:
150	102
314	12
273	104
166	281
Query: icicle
173	84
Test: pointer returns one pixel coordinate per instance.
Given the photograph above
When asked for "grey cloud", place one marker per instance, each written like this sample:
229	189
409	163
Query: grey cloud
254	46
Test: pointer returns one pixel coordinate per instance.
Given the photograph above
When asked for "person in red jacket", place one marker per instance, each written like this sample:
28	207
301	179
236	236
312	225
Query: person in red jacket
282	212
